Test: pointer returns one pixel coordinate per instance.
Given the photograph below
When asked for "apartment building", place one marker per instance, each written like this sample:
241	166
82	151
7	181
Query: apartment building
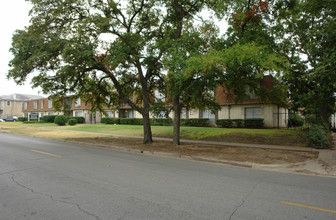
11	105
252	107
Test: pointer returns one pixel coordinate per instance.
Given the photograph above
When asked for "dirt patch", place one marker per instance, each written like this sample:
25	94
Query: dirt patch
284	140
238	154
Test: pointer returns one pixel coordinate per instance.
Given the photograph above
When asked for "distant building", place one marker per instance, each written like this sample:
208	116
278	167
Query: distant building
251	107
11	105
37	108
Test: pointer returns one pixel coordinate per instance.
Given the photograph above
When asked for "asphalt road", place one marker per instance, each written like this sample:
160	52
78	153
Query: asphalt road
42	179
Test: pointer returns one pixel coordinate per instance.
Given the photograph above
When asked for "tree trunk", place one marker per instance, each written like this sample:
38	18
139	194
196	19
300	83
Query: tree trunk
147	129
176	122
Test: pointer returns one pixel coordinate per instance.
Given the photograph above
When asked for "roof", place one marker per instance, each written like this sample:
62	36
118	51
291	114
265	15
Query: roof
20	97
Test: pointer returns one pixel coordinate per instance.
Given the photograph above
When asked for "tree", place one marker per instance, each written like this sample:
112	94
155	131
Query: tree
187	84
93	48
310	40
250	50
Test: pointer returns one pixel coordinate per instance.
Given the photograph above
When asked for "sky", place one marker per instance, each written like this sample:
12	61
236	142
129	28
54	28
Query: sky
13	16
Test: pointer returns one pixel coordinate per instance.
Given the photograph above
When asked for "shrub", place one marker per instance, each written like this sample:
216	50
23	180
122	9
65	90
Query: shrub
60	120
195	122
295	121
317	137
79	119
72	121
161	121
110	121
48	118
238	123
225	123
254	123
131	121
22	119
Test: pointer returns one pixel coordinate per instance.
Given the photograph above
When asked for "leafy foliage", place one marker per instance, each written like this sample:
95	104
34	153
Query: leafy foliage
295	120
195	122
22	119
317	137
48	118
60	120
72	121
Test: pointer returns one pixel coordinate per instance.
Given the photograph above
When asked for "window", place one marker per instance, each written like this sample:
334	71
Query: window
49	103
42	114
42	104
110	114
25	105
35	104
78	103
208	114
50	113
8	103
78	113
252	113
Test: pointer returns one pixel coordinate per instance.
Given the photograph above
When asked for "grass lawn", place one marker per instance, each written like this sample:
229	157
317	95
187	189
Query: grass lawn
291	137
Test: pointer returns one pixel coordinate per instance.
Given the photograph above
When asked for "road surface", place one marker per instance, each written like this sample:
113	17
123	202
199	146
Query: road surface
43	179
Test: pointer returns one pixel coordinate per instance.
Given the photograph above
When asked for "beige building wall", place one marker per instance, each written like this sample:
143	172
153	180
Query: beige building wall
269	112
13	109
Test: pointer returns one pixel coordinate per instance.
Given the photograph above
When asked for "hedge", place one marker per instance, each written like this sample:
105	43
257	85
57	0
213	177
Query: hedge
48	118
131	121
241	123
72	121
60	120
195	122
161	121
79	119
110	121
254	123
22	119
225	123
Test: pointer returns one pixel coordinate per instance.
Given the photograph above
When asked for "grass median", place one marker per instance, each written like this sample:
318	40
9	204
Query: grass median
97	134
287	137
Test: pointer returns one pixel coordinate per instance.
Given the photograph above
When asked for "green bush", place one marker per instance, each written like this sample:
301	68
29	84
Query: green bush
79	119
48	118
22	119
60	120
254	123
295	121
225	123
238	123
131	121
110	121
317	137
161	121
72	121
195	122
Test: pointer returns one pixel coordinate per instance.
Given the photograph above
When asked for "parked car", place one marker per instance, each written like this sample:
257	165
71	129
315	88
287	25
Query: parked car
11	118
1	120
